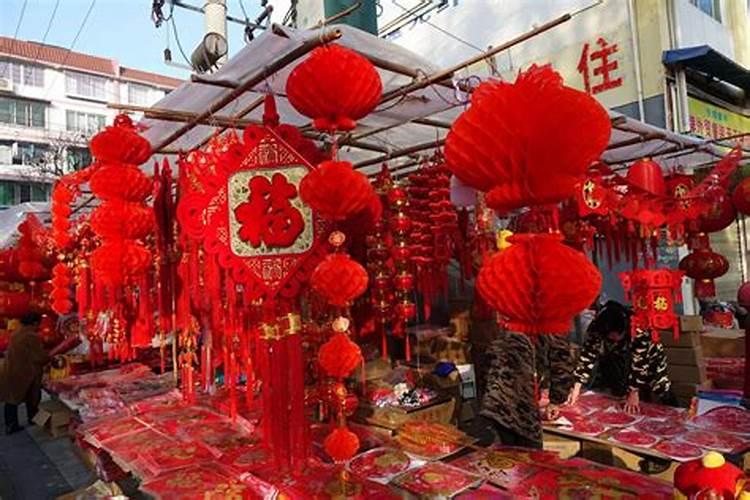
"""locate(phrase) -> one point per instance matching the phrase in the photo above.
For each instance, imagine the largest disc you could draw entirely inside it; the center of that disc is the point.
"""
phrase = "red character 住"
(268, 217)
(605, 66)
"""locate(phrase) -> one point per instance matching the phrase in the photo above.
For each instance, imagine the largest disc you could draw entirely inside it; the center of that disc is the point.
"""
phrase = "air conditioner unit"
(6, 84)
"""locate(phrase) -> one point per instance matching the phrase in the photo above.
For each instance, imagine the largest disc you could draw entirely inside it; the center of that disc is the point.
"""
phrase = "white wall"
(695, 27)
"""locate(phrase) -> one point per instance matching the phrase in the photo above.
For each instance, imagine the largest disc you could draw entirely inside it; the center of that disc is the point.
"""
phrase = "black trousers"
(33, 397)
(486, 431)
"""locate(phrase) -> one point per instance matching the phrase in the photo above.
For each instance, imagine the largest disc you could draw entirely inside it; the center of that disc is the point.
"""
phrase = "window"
(7, 193)
(138, 94)
(39, 192)
(22, 74)
(77, 121)
(83, 85)
(78, 158)
(28, 153)
(24, 193)
(710, 7)
(22, 112)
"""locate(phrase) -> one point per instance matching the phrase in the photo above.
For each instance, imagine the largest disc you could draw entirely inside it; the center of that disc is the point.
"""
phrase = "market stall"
(313, 196)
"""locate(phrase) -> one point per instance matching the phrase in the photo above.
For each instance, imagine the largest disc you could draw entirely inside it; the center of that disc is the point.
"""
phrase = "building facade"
(51, 102)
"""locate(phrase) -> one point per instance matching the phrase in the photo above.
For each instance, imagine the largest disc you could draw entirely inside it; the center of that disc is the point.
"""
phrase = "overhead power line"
(20, 19)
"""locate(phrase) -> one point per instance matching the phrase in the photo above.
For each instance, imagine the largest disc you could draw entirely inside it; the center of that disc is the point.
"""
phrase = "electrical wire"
(177, 39)
(46, 32)
(73, 44)
(441, 30)
(20, 19)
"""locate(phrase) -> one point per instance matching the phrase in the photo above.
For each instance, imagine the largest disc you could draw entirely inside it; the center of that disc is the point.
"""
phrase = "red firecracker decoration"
(538, 284)
(334, 86)
(403, 279)
(704, 266)
(336, 191)
(528, 143)
(339, 279)
(741, 197)
(653, 294)
(341, 444)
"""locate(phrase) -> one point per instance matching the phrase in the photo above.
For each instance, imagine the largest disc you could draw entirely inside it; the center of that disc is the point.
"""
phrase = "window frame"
(22, 73)
(77, 85)
(34, 113)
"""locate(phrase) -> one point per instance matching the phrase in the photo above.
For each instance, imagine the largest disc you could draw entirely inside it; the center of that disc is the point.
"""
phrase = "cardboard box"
(565, 447)
(687, 339)
(686, 356)
(686, 390)
(689, 374)
(691, 324)
(54, 417)
(393, 418)
(723, 343)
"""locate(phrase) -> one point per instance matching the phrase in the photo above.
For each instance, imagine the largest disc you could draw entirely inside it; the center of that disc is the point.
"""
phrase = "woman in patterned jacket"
(611, 360)
(527, 377)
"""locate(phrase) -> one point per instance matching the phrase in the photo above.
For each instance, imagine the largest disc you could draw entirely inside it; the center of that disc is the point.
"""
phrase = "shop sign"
(713, 122)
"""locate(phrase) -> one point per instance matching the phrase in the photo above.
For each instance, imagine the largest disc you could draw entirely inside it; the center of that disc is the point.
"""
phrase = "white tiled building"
(51, 101)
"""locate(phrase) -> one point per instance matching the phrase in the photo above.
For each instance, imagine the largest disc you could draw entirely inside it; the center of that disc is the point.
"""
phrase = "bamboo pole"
(401, 152)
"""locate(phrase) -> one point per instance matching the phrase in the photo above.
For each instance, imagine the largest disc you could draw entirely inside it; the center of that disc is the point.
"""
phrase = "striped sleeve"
(588, 358)
(660, 383)
(640, 361)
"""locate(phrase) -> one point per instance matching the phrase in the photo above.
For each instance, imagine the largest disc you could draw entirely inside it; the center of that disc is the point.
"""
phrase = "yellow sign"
(712, 122)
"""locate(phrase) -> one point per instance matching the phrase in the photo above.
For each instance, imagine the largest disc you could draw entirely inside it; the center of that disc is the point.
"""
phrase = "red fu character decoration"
(653, 293)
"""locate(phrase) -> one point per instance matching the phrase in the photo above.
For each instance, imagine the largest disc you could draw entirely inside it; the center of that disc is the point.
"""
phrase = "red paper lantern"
(14, 304)
(9, 265)
(119, 181)
(741, 197)
(646, 175)
(334, 86)
(339, 356)
(341, 444)
(538, 284)
(121, 219)
(61, 281)
(339, 279)
(653, 293)
(527, 142)
(336, 191)
(117, 260)
(719, 217)
(120, 143)
(704, 266)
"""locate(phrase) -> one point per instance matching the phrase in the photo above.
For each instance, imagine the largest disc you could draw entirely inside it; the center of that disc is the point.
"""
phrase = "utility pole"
(215, 21)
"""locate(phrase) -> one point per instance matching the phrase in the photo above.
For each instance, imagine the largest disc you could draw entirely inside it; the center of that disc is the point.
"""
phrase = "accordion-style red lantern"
(704, 266)
(120, 181)
(528, 143)
(334, 86)
(341, 444)
(120, 143)
(339, 279)
(741, 197)
(117, 260)
(653, 294)
(336, 191)
(538, 284)
(121, 219)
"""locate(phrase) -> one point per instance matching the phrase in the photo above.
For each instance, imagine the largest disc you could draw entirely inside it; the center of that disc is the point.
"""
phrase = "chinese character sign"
(267, 217)
(599, 66)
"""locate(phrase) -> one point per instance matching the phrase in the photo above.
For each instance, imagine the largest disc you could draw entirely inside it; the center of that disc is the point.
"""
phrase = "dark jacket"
(509, 398)
(21, 370)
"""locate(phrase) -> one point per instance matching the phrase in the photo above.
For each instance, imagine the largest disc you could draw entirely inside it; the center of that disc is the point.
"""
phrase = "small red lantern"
(339, 279)
(119, 181)
(704, 266)
(336, 191)
(527, 142)
(539, 284)
(339, 356)
(334, 86)
(646, 175)
(341, 444)
(741, 197)
(120, 143)
(719, 217)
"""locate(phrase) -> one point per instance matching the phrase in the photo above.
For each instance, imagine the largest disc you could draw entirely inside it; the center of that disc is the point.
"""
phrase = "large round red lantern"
(718, 217)
(704, 266)
(339, 279)
(741, 197)
(539, 284)
(527, 142)
(334, 86)
(646, 175)
(336, 191)
(122, 219)
(120, 181)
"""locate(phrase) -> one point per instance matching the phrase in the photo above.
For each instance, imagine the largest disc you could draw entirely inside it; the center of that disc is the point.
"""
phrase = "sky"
(120, 29)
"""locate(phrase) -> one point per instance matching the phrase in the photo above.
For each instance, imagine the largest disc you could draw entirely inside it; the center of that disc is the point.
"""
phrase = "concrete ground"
(35, 466)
